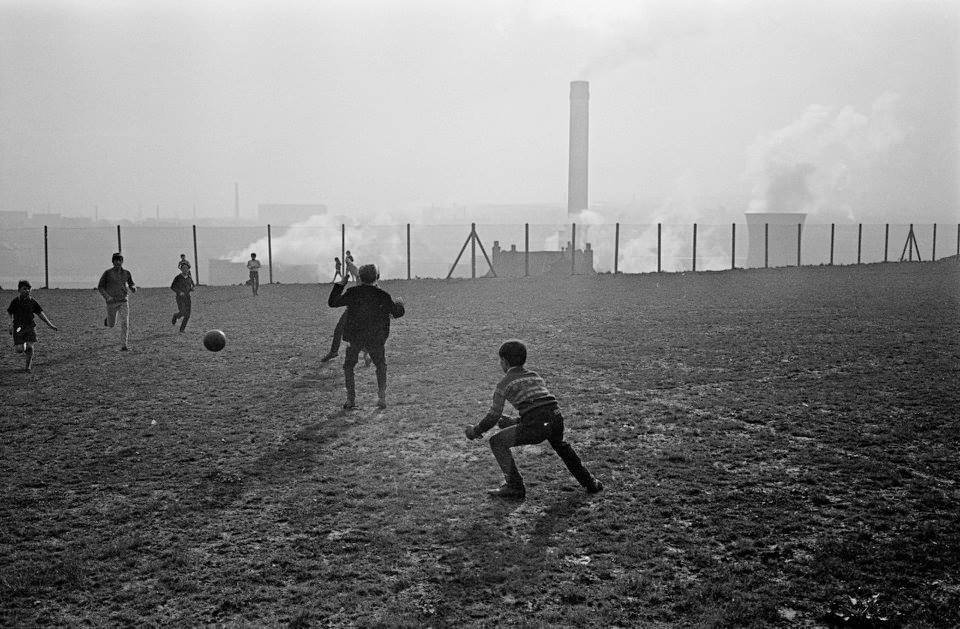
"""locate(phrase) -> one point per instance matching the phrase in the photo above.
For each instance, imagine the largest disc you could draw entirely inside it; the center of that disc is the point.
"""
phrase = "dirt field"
(779, 447)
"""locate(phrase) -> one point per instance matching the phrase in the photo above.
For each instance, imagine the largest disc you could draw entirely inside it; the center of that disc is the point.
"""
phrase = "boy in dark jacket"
(22, 327)
(182, 285)
(540, 419)
(366, 327)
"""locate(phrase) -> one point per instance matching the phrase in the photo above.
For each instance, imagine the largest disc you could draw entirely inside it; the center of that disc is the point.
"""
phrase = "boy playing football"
(22, 327)
(540, 419)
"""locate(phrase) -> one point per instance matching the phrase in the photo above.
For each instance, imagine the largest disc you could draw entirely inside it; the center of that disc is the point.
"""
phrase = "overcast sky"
(844, 109)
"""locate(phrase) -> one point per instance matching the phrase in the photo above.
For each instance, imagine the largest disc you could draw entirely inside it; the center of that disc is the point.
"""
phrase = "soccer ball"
(214, 340)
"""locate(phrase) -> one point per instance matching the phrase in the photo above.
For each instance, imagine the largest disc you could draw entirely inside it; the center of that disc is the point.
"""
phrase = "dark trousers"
(183, 310)
(536, 426)
(255, 281)
(338, 334)
(378, 355)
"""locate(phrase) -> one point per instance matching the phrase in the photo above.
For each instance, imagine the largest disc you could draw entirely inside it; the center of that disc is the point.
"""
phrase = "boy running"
(366, 327)
(540, 419)
(22, 327)
(182, 285)
(113, 286)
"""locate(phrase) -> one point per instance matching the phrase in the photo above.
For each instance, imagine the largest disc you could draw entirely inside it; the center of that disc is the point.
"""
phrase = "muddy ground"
(779, 447)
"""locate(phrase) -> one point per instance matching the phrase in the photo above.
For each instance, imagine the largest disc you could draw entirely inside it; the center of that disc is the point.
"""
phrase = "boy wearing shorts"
(21, 311)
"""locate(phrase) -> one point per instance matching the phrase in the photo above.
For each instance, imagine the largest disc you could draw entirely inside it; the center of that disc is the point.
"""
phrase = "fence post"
(799, 227)
(933, 255)
(832, 225)
(269, 253)
(196, 259)
(573, 249)
(859, 240)
(733, 245)
(119, 243)
(343, 245)
(616, 248)
(408, 250)
(958, 239)
(473, 250)
(694, 247)
(659, 225)
(766, 245)
(886, 240)
(526, 249)
(46, 260)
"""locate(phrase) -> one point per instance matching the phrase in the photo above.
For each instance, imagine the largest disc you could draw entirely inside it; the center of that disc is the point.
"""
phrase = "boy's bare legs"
(337, 337)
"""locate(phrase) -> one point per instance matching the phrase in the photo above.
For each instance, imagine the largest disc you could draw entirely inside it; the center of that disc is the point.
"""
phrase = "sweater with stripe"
(524, 389)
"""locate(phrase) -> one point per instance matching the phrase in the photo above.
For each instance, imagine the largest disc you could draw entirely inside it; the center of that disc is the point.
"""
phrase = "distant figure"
(184, 263)
(367, 326)
(182, 285)
(253, 265)
(338, 272)
(22, 327)
(539, 420)
(351, 267)
(113, 287)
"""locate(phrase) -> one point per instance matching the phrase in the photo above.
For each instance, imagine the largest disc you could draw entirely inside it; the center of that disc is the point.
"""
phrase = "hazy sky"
(847, 109)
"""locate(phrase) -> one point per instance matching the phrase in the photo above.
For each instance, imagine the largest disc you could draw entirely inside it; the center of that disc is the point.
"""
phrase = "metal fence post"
(733, 245)
(659, 225)
(766, 245)
(343, 245)
(269, 253)
(526, 249)
(473, 250)
(46, 260)
(831, 243)
(119, 243)
(799, 227)
(616, 249)
(886, 240)
(859, 240)
(694, 247)
(573, 249)
(196, 259)
(408, 250)
(933, 255)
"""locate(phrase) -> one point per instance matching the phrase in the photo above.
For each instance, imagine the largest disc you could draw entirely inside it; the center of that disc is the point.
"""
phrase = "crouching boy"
(540, 419)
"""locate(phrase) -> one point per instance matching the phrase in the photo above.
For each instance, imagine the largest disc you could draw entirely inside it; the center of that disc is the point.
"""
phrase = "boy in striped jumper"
(540, 419)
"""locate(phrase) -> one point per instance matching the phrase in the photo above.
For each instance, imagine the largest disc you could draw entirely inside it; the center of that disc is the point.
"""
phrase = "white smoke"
(824, 162)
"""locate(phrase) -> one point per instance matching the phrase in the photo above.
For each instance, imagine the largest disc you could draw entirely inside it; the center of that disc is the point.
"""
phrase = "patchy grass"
(778, 447)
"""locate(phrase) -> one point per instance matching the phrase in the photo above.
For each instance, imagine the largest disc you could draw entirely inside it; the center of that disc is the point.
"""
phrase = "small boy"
(253, 265)
(339, 268)
(540, 419)
(22, 327)
(366, 327)
(348, 263)
(184, 263)
(182, 285)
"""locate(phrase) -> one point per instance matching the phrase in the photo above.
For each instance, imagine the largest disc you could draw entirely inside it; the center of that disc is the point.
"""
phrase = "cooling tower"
(775, 245)
(579, 142)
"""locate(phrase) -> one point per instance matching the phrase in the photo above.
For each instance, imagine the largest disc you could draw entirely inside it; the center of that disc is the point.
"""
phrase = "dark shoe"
(330, 356)
(124, 349)
(105, 324)
(381, 403)
(594, 487)
(349, 405)
(507, 491)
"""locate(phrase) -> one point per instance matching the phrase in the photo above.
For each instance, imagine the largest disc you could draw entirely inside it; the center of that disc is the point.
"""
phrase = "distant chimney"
(579, 142)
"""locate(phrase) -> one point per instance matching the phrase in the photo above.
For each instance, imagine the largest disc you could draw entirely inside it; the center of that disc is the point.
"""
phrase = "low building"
(515, 263)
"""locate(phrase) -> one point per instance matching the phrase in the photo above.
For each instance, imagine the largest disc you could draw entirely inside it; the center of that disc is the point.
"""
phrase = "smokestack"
(579, 143)
(236, 200)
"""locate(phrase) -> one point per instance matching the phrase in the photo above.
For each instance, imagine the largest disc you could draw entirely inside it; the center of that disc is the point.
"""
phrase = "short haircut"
(368, 273)
(253, 255)
(23, 284)
(514, 352)
(116, 256)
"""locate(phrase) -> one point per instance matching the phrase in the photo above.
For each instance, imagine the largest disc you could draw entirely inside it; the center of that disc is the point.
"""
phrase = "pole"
(46, 260)
(473, 250)
(616, 249)
(526, 249)
(659, 226)
(408, 250)
(343, 245)
(766, 245)
(573, 249)
(933, 255)
(694, 247)
(119, 245)
(910, 242)
(799, 226)
(733, 245)
(196, 259)
(269, 253)
(886, 241)
(831, 243)
(859, 240)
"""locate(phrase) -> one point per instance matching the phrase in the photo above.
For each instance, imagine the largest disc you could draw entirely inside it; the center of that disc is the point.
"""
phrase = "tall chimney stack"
(577, 199)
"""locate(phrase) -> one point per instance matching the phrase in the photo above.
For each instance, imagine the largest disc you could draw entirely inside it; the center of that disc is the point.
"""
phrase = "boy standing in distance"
(22, 327)
(113, 287)
(540, 419)
(184, 263)
(182, 285)
(366, 327)
(350, 266)
(253, 265)
(339, 268)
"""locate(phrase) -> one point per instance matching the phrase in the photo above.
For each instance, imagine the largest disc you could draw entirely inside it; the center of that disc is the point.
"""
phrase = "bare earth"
(778, 448)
